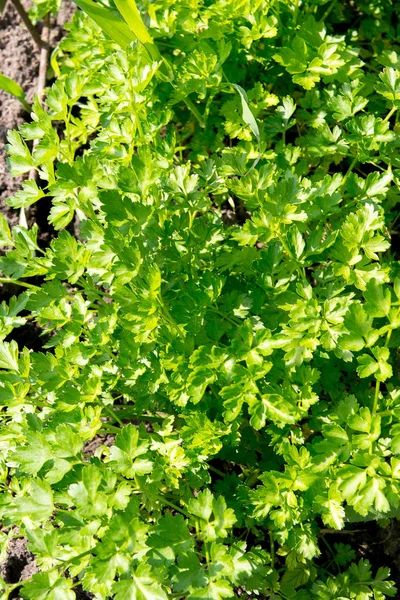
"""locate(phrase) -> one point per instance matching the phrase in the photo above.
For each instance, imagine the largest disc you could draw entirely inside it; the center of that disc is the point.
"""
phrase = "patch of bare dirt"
(19, 564)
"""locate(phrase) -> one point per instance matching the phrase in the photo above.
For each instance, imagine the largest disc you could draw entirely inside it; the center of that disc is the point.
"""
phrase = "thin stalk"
(192, 107)
(30, 286)
(351, 167)
(385, 413)
(329, 10)
(228, 318)
(167, 503)
(113, 415)
(331, 552)
(323, 531)
(272, 548)
(296, 12)
(376, 398)
(110, 429)
(217, 471)
(126, 413)
(170, 320)
(41, 84)
(28, 23)
(378, 383)
(390, 113)
(207, 554)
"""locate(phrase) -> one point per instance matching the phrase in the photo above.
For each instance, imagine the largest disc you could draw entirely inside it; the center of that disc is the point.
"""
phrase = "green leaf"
(190, 574)
(36, 504)
(206, 506)
(390, 84)
(48, 586)
(126, 452)
(34, 454)
(9, 355)
(172, 532)
(378, 299)
(5, 233)
(29, 194)
(143, 585)
(11, 87)
(273, 407)
(88, 499)
(20, 159)
(216, 590)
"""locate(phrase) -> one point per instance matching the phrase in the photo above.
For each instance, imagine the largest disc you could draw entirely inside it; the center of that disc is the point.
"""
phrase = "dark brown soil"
(90, 447)
(19, 565)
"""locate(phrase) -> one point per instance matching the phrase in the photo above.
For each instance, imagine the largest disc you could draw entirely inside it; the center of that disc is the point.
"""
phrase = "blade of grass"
(112, 24)
(247, 115)
(249, 119)
(11, 87)
(131, 15)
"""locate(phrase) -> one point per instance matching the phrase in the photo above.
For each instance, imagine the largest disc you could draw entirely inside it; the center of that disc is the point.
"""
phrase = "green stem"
(109, 429)
(390, 113)
(217, 471)
(329, 10)
(385, 413)
(272, 548)
(332, 553)
(296, 12)
(378, 383)
(113, 415)
(207, 554)
(68, 136)
(166, 503)
(127, 413)
(232, 320)
(376, 398)
(351, 167)
(192, 107)
(169, 318)
(21, 283)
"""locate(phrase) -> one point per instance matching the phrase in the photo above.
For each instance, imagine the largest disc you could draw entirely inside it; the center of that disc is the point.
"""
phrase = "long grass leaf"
(249, 119)
(247, 115)
(112, 24)
(11, 87)
(131, 15)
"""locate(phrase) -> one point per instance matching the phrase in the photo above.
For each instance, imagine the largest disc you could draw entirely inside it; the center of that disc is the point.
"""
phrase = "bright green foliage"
(12, 87)
(229, 314)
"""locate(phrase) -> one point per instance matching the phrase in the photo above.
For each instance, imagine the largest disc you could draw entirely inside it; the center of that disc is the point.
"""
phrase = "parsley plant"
(226, 323)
